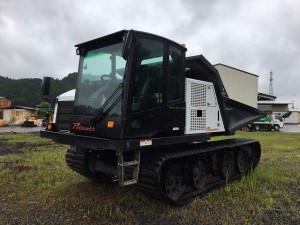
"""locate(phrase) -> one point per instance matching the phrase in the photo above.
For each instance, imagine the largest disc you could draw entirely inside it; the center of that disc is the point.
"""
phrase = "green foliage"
(27, 92)
(46, 112)
(44, 105)
(43, 114)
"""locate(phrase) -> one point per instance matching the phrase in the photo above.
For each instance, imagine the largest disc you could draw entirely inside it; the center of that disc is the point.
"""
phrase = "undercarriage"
(176, 174)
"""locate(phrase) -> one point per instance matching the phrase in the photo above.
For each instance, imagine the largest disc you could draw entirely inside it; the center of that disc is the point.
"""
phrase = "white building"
(294, 118)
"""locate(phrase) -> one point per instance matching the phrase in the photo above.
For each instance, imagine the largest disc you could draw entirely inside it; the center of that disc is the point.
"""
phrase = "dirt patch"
(21, 168)
(6, 148)
(295, 188)
(6, 164)
(281, 215)
(14, 166)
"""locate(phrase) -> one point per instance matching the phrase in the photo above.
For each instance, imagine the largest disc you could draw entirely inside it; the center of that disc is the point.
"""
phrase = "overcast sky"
(38, 37)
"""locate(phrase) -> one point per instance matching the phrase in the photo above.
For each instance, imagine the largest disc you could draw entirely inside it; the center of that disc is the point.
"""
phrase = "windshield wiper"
(101, 110)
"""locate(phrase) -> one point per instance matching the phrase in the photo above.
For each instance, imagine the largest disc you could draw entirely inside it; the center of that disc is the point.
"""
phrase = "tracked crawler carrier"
(144, 114)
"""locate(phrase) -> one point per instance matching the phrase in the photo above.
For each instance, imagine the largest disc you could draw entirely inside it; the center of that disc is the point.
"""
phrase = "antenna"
(271, 84)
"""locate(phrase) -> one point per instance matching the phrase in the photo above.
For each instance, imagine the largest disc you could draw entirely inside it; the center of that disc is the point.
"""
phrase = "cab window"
(148, 79)
(174, 74)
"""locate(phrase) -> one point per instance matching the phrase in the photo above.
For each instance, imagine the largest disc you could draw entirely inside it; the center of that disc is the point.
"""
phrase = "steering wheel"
(105, 75)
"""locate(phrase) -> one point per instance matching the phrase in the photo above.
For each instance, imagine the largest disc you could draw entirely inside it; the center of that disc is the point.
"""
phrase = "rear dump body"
(165, 151)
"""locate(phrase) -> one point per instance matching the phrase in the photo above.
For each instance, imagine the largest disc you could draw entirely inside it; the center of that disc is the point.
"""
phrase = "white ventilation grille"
(197, 122)
(202, 109)
(198, 95)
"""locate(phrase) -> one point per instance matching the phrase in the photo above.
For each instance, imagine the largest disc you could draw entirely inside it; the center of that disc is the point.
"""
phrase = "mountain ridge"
(27, 91)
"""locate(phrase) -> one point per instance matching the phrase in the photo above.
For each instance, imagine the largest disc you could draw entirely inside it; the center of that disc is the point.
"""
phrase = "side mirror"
(46, 86)
(128, 39)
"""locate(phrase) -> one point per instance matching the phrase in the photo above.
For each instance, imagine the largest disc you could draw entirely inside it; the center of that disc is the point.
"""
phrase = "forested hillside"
(27, 92)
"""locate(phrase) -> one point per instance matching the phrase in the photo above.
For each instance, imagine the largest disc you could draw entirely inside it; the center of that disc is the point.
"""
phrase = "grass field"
(37, 187)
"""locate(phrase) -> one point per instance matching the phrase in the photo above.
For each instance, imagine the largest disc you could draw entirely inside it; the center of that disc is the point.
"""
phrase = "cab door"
(147, 115)
(175, 90)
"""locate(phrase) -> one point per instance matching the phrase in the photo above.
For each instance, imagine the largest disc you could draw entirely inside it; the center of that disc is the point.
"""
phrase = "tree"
(45, 110)
(43, 105)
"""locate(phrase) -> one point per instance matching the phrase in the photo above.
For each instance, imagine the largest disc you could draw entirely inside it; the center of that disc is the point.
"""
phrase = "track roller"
(228, 164)
(242, 159)
(174, 181)
(200, 174)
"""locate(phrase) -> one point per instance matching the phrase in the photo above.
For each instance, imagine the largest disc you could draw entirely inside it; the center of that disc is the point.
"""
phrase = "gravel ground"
(19, 129)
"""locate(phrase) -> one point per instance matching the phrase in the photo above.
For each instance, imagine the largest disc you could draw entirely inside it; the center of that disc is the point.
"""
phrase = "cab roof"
(117, 37)
(103, 41)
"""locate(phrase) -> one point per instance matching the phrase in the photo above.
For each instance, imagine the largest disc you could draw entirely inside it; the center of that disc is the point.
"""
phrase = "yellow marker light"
(49, 126)
(110, 124)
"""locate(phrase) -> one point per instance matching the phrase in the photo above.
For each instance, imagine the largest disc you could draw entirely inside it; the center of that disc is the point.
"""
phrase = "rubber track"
(150, 169)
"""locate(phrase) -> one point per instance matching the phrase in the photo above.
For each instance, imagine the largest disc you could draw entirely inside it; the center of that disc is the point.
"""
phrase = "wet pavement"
(291, 128)
(19, 129)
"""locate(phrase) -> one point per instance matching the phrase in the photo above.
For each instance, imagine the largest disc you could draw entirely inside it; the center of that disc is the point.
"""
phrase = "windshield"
(101, 72)
(279, 117)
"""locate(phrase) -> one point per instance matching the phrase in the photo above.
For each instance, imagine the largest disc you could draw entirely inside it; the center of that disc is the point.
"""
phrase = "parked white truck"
(269, 122)
(64, 109)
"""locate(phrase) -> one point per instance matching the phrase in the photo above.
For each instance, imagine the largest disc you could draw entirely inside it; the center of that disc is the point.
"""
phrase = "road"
(291, 128)
(19, 129)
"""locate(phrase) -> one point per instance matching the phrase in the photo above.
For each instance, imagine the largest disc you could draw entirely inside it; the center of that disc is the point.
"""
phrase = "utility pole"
(271, 84)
